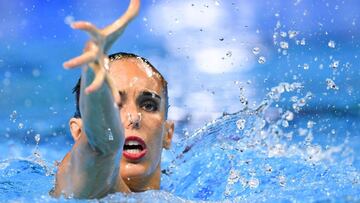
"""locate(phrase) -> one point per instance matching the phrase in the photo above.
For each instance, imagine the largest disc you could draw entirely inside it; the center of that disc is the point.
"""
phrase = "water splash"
(260, 156)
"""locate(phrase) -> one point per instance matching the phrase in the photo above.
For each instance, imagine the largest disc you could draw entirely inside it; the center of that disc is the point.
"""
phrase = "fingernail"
(65, 65)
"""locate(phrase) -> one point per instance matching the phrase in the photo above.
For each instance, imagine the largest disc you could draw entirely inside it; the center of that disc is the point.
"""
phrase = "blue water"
(247, 129)
(251, 155)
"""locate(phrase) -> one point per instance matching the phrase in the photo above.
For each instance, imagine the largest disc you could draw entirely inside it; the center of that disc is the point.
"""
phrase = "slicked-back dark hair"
(121, 56)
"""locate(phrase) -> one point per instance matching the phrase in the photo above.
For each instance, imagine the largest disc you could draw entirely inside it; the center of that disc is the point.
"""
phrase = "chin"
(132, 170)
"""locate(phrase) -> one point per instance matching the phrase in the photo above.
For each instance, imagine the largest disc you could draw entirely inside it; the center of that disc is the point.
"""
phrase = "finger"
(114, 30)
(98, 80)
(87, 57)
(86, 26)
(131, 12)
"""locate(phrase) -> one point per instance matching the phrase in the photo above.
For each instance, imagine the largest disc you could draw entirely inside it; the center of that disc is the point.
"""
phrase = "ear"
(169, 132)
(75, 128)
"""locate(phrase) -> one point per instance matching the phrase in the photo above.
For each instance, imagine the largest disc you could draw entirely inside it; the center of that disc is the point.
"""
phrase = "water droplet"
(254, 183)
(284, 45)
(109, 134)
(309, 138)
(306, 66)
(13, 116)
(37, 138)
(331, 84)
(262, 60)
(347, 64)
(301, 102)
(331, 44)
(283, 34)
(241, 124)
(262, 123)
(243, 100)
(292, 33)
(285, 123)
(229, 54)
(334, 64)
(302, 42)
(233, 176)
(310, 124)
(268, 168)
(288, 115)
(256, 50)
(282, 180)
(21, 126)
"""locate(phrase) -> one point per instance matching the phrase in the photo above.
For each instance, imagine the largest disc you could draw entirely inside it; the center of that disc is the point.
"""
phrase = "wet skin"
(89, 172)
(124, 100)
(142, 95)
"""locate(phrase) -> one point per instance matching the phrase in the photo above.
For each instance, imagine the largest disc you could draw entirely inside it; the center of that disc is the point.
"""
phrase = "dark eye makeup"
(149, 105)
(146, 100)
(149, 101)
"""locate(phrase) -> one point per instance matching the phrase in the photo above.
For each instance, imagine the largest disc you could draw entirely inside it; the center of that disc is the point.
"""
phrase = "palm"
(101, 41)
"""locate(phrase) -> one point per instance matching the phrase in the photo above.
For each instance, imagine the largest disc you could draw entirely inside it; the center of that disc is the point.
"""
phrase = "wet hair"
(121, 56)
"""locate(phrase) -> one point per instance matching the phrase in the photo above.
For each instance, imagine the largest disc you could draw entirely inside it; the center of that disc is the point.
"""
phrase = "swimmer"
(121, 126)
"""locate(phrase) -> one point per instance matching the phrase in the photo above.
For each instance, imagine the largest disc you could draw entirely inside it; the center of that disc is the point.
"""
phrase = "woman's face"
(142, 113)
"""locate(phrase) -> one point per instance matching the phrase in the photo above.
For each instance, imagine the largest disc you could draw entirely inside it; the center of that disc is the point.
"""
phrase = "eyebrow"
(143, 93)
(150, 94)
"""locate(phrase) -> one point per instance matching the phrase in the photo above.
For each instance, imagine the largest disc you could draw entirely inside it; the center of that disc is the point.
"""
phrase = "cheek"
(153, 126)
(152, 122)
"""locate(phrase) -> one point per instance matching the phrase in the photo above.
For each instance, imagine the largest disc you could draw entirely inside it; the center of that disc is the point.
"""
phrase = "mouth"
(134, 148)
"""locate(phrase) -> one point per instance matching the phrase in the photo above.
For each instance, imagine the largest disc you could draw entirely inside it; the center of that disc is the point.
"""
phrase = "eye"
(149, 105)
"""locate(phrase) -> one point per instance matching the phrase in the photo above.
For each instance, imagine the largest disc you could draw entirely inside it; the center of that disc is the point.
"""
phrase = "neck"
(141, 184)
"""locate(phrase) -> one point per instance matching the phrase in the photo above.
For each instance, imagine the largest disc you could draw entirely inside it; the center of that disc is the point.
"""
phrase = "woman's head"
(143, 113)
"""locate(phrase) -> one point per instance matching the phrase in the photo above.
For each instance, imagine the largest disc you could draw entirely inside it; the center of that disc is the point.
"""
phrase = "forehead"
(133, 73)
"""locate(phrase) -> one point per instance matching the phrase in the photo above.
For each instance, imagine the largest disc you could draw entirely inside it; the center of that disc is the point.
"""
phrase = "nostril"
(137, 123)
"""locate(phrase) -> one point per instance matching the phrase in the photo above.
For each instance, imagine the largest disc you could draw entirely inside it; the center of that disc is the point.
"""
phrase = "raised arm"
(90, 169)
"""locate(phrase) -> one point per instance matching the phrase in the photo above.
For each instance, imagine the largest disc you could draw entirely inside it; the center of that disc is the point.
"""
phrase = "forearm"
(100, 115)
(82, 173)
(91, 168)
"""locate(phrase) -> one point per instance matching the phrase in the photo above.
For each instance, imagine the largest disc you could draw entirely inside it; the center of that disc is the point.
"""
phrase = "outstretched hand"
(94, 54)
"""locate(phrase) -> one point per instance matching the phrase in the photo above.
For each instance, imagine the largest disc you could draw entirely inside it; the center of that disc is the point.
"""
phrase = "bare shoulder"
(85, 173)
(62, 168)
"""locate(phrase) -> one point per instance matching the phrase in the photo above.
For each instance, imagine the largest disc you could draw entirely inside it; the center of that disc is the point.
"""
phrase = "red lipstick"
(134, 148)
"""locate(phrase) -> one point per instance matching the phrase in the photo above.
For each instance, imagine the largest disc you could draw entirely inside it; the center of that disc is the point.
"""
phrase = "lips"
(134, 148)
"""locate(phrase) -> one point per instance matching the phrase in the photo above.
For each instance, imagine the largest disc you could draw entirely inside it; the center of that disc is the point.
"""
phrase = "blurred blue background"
(211, 52)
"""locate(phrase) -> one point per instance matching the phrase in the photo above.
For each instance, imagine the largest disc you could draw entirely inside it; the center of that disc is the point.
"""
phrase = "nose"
(133, 119)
